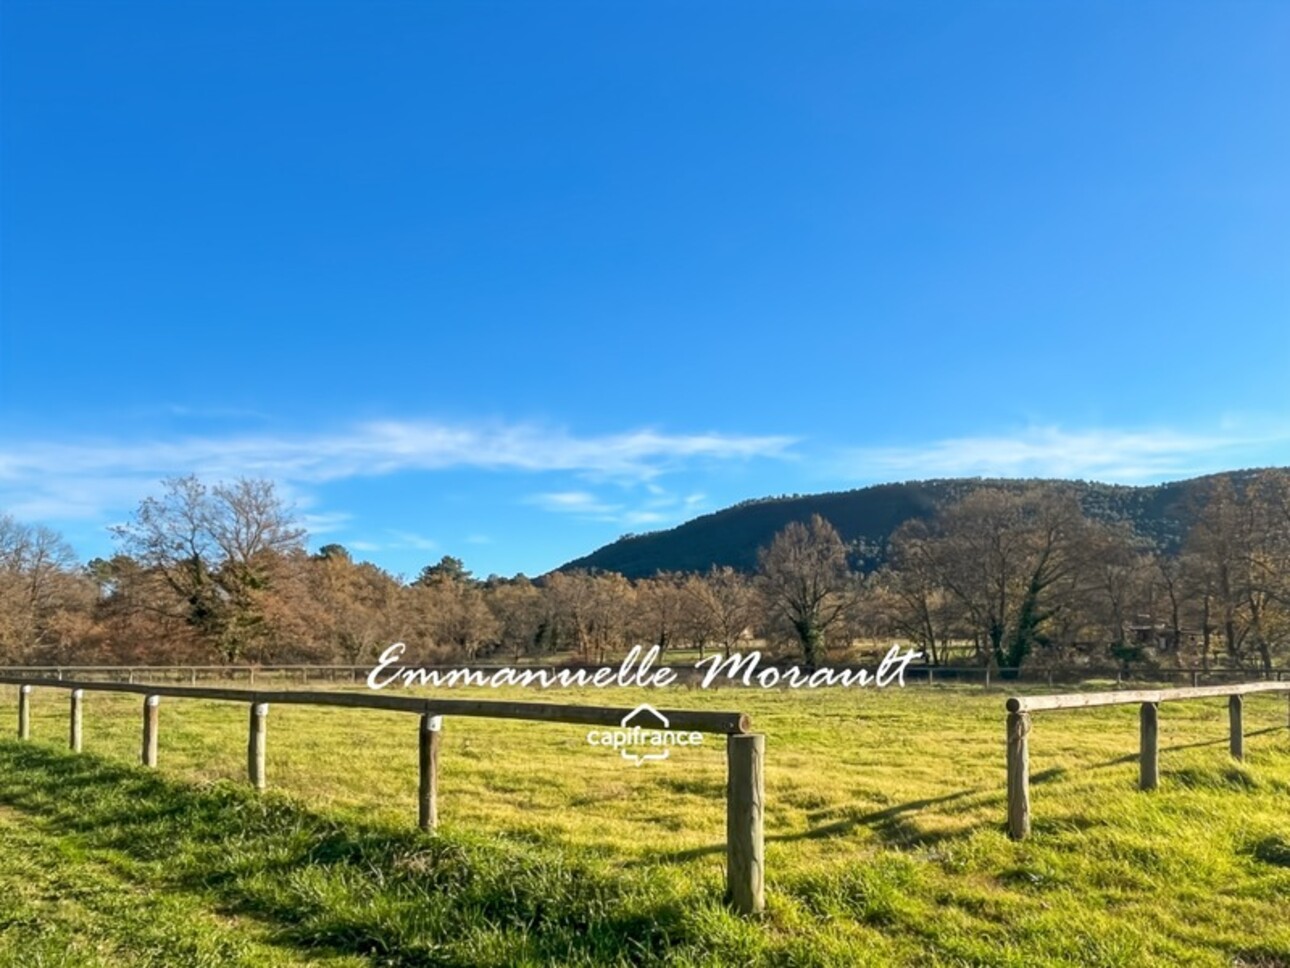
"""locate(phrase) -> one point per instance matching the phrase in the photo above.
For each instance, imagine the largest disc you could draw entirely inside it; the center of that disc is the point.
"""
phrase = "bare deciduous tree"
(806, 582)
(725, 605)
(43, 594)
(213, 547)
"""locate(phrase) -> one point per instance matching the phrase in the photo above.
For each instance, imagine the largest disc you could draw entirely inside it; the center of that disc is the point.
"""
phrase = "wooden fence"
(193, 674)
(1018, 733)
(914, 674)
(745, 751)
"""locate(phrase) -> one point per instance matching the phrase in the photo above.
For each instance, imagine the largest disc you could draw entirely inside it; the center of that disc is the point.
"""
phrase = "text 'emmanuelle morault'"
(640, 668)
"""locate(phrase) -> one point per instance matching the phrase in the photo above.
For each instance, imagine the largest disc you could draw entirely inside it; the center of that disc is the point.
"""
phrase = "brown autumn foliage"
(220, 574)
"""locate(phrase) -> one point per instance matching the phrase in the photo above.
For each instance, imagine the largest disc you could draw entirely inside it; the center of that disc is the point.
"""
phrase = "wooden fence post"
(1237, 739)
(1149, 746)
(1018, 775)
(151, 718)
(431, 733)
(255, 744)
(74, 730)
(24, 712)
(745, 822)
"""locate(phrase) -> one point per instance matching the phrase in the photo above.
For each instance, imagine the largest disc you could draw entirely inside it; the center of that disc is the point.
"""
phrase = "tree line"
(221, 574)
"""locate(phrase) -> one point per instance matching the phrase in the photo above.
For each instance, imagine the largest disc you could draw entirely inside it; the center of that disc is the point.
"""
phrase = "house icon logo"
(645, 717)
(643, 734)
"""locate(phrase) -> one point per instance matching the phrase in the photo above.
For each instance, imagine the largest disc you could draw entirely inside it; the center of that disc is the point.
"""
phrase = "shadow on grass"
(894, 826)
(1133, 757)
(320, 884)
(898, 826)
(1234, 777)
(1273, 850)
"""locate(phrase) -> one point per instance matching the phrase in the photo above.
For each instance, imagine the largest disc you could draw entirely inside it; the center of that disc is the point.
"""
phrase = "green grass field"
(885, 842)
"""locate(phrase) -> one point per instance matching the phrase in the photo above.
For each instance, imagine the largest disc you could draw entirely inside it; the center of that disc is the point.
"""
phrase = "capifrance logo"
(644, 734)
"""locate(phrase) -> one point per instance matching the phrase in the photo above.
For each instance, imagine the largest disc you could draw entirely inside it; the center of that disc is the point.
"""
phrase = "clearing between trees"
(884, 826)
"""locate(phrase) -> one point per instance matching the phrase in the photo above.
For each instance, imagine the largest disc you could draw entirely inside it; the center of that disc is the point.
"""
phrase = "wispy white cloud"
(325, 522)
(395, 541)
(83, 479)
(639, 518)
(658, 506)
(1118, 456)
(574, 502)
(410, 539)
(32, 496)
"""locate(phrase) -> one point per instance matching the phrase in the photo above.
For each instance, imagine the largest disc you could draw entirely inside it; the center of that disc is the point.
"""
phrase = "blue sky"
(506, 280)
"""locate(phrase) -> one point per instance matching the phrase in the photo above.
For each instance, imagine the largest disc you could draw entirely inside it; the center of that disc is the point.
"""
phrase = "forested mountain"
(1070, 572)
(865, 518)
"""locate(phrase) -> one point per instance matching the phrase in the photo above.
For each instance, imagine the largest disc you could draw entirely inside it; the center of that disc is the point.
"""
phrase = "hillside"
(866, 517)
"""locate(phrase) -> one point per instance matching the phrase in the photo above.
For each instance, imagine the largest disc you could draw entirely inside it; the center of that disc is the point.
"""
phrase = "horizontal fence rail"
(1019, 709)
(1082, 700)
(702, 721)
(745, 751)
(194, 673)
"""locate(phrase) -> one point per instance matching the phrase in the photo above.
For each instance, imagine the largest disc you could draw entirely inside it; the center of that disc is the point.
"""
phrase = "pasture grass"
(885, 840)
